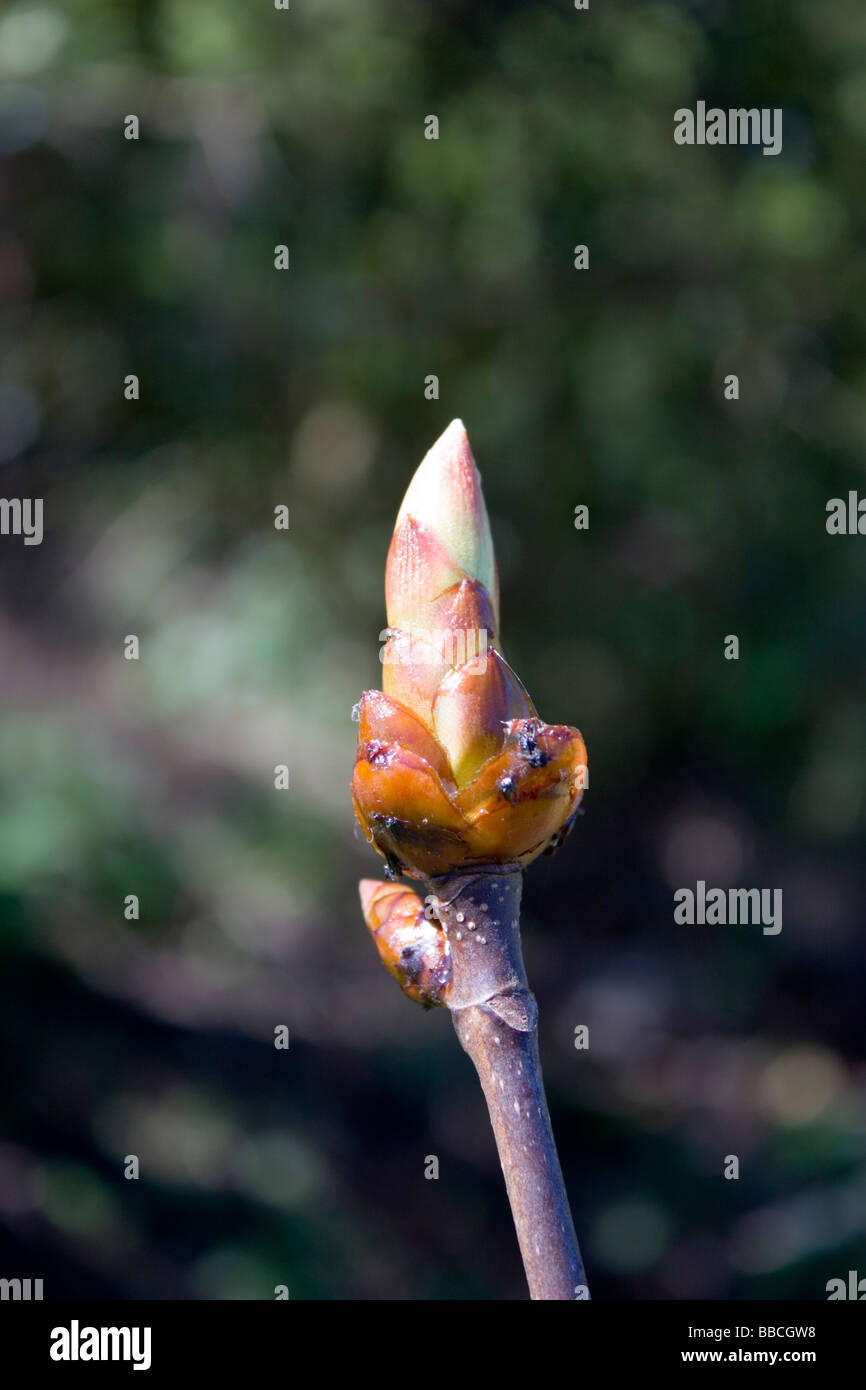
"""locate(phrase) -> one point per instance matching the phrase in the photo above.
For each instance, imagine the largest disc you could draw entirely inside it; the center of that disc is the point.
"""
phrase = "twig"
(495, 1017)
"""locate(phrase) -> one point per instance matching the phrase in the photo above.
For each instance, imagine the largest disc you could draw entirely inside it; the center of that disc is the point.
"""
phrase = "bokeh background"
(410, 257)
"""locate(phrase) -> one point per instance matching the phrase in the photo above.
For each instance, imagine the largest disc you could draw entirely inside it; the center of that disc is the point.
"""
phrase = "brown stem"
(496, 1021)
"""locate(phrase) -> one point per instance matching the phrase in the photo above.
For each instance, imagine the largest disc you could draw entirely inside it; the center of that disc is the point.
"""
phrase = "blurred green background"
(411, 257)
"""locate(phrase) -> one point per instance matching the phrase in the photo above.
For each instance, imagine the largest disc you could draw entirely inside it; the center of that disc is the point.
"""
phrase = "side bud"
(413, 949)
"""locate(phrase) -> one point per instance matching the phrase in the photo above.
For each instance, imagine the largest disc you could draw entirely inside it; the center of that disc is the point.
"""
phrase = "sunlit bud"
(411, 947)
(454, 768)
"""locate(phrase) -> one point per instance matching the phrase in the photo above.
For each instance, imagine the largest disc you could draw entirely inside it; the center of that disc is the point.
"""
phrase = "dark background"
(707, 517)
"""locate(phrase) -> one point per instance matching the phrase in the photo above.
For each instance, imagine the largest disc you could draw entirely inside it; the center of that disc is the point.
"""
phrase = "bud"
(412, 948)
(454, 768)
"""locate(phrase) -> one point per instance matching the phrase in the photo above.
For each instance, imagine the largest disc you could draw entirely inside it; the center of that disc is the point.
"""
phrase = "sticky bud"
(454, 768)
(412, 948)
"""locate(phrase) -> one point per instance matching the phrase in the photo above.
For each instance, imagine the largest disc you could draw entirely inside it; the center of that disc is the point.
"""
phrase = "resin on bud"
(454, 767)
